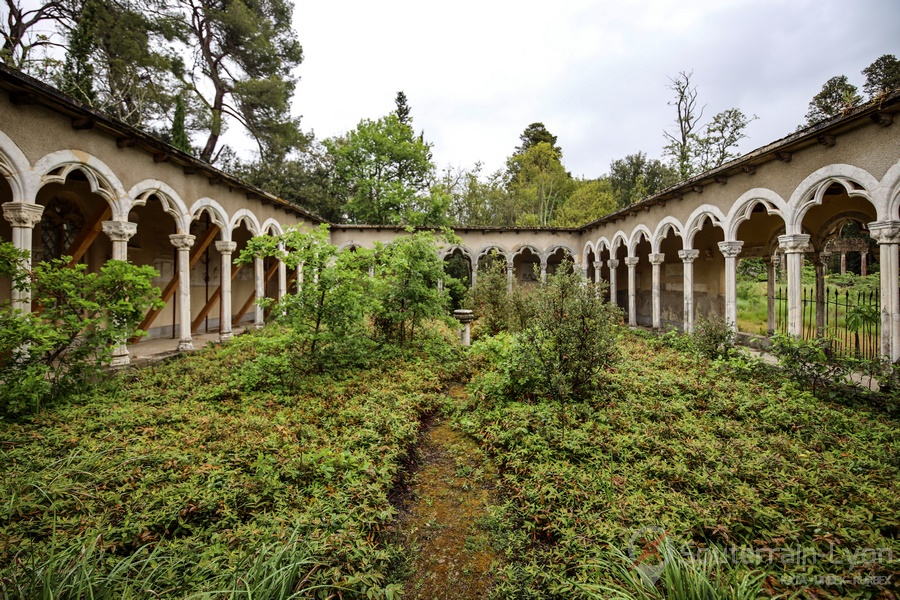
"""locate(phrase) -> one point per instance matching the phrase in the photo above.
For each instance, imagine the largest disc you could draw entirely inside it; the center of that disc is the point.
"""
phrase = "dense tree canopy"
(837, 96)
(635, 177)
(882, 76)
(383, 174)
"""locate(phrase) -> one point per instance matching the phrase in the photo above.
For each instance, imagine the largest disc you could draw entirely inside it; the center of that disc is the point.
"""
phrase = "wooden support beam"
(170, 288)
(882, 118)
(697, 189)
(124, 142)
(784, 156)
(81, 123)
(161, 157)
(87, 236)
(211, 302)
(748, 169)
(827, 140)
(22, 98)
(189, 169)
(723, 179)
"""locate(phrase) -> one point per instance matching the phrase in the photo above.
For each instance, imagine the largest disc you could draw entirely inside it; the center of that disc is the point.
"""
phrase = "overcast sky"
(477, 72)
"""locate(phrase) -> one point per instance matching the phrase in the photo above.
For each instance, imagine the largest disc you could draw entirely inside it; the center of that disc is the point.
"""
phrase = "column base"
(225, 336)
(120, 361)
(185, 345)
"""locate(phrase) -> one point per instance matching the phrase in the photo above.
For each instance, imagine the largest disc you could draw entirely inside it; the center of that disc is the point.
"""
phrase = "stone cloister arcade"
(77, 183)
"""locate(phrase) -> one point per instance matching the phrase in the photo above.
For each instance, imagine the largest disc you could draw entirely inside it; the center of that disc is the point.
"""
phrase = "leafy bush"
(489, 299)
(79, 318)
(713, 337)
(569, 340)
(806, 362)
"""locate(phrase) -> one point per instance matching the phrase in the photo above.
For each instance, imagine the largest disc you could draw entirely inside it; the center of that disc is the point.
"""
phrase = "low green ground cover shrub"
(221, 474)
(742, 463)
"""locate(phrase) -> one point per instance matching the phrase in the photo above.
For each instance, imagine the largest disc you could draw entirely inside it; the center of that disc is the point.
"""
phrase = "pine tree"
(78, 75)
(179, 135)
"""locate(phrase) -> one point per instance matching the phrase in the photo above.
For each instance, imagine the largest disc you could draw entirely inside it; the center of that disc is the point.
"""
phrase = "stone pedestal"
(465, 318)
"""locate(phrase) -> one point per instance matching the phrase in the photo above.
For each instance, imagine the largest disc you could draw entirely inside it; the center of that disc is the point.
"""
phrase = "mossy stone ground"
(448, 497)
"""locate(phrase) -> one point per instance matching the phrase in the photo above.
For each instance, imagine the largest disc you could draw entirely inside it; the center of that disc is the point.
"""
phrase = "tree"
(720, 137)
(533, 135)
(539, 184)
(688, 115)
(837, 97)
(635, 177)
(408, 269)
(304, 178)
(179, 135)
(882, 76)
(137, 64)
(402, 111)
(383, 174)
(591, 200)
(17, 41)
(78, 73)
(244, 52)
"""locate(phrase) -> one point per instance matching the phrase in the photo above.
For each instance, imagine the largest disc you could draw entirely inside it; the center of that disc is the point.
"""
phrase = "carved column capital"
(689, 255)
(226, 247)
(632, 261)
(612, 263)
(797, 243)
(119, 231)
(730, 249)
(22, 214)
(883, 232)
(657, 258)
(182, 241)
(598, 264)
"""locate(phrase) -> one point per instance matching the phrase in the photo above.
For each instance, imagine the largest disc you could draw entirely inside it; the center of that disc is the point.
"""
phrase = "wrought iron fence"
(851, 319)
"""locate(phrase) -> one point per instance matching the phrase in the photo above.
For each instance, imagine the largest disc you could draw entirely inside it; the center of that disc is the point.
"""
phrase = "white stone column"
(509, 276)
(119, 232)
(631, 262)
(282, 274)
(656, 260)
(225, 248)
(597, 265)
(183, 242)
(771, 287)
(23, 216)
(259, 277)
(730, 251)
(300, 275)
(887, 234)
(543, 269)
(794, 247)
(474, 271)
(688, 256)
(613, 264)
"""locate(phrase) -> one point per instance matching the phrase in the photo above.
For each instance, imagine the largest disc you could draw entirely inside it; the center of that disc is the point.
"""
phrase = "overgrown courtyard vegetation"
(620, 464)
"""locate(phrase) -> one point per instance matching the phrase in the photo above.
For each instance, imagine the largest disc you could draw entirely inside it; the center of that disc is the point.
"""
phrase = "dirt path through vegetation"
(443, 516)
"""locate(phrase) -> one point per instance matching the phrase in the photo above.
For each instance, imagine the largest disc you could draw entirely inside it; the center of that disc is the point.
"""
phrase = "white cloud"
(478, 72)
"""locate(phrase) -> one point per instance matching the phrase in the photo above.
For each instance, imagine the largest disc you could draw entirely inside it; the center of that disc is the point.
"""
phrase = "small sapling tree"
(79, 318)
